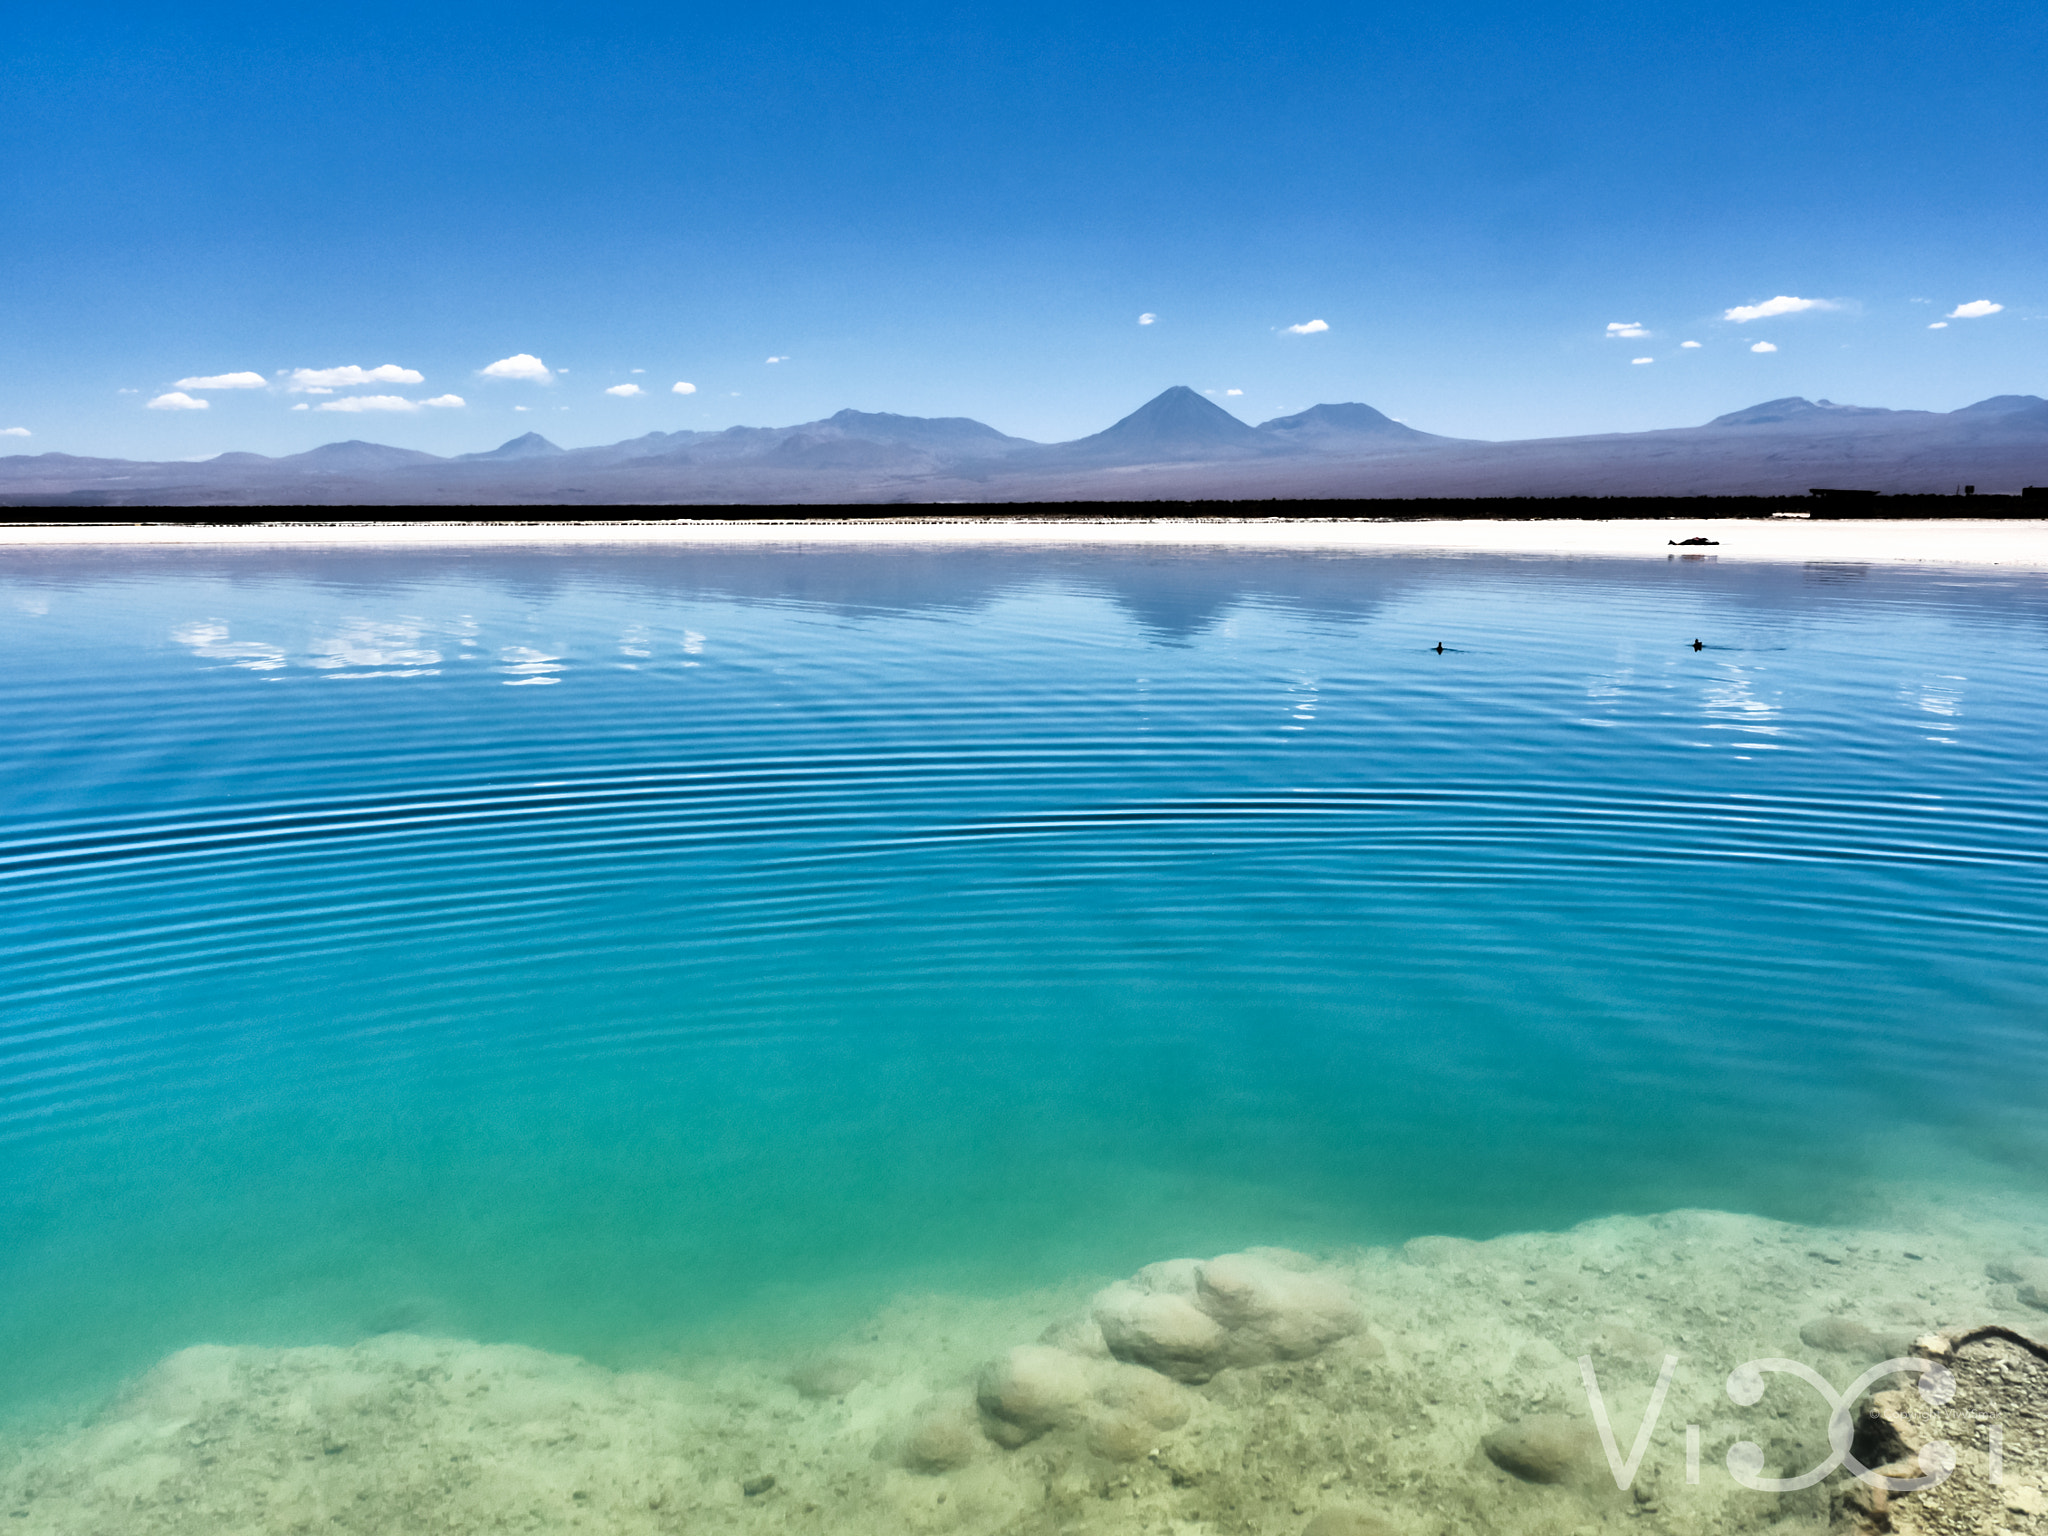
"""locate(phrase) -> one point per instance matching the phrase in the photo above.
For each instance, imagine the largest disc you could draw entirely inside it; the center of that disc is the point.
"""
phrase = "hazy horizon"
(367, 423)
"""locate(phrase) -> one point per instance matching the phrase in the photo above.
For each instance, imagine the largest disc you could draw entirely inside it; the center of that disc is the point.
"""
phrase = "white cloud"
(444, 402)
(302, 406)
(1764, 346)
(1616, 329)
(1148, 318)
(1690, 346)
(1308, 327)
(178, 400)
(1976, 309)
(520, 365)
(1783, 304)
(681, 388)
(1233, 391)
(1939, 325)
(14, 432)
(778, 359)
(225, 381)
(1642, 360)
(357, 403)
(625, 391)
(518, 407)
(321, 381)
(636, 370)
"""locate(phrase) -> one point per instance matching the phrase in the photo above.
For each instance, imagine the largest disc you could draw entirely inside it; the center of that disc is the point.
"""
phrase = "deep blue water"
(618, 952)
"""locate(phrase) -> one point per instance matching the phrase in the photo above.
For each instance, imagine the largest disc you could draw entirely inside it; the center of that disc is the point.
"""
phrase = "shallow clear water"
(618, 952)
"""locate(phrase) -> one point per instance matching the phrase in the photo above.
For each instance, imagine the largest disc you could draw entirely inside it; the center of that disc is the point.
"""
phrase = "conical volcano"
(1178, 424)
(529, 445)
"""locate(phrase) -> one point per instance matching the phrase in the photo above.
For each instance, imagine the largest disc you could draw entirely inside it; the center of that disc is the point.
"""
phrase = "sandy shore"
(2011, 544)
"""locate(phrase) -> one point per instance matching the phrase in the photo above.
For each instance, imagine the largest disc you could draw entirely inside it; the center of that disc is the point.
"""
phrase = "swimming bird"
(1699, 645)
(1439, 647)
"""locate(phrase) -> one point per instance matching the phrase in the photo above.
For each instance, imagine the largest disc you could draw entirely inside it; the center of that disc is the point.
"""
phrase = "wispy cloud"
(355, 404)
(1639, 360)
(1148, 318)
(682, 388)
(178, 400)
(1783, 304)
(15, 432)
(625, 391)
(320, 381)
(1690, 346)
(225, 381)
(1765, 346)
(1617, 329)
(1939, 325)
(1233, 391)
(636, 370)
(444, 403)
(1976, 309)
(520, 365)
(1308, 328)
(778, 359)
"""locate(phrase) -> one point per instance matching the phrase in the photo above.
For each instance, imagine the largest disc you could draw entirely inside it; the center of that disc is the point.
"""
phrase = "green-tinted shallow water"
(638, 953)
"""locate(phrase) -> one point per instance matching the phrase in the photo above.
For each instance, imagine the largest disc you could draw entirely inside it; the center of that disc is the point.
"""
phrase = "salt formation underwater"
(1008, 1042)
(1417, 1391)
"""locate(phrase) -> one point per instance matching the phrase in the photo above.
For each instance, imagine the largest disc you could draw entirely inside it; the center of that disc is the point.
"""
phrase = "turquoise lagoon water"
(633, 952)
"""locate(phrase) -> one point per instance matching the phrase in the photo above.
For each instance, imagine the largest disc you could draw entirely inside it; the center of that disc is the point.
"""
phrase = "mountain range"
(1177, 446)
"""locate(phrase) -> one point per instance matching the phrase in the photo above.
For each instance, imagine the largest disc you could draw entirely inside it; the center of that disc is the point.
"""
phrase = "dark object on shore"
(1699, 645)
(1996, 1379)
(1695, 539)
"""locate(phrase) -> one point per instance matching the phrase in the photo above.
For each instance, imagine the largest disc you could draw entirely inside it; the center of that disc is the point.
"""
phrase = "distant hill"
(1178, 444)
(356, 454)
(1328, 427)
(1797, 411)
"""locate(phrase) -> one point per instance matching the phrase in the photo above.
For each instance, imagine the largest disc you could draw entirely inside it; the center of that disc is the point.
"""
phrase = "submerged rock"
(1346, 1521)
(1842, 1335)
(1549, 1448)
(1163, 1330)
(1078, 1335)
(1145, 1395)
(825, 1376)
(2031, 1276)
(944, 1440)
(1032, 1389)
(1121, 1436)
(1188, 1319)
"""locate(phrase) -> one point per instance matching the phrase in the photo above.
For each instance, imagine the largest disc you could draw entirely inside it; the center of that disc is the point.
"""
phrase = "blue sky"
(956, 210)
